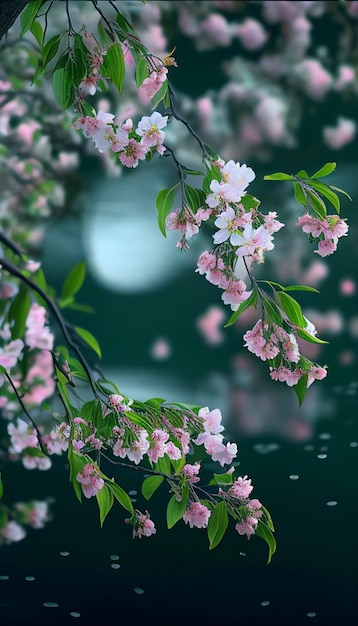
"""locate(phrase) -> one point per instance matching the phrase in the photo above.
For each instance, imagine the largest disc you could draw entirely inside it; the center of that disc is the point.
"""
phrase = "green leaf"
(250, 202)
(18, 313)
(122, 496)
(325, 170)
(301, 332)
(1, 487)
(50, 49)
(291, 308)
(89, 339)
(268, 518)
(125, 25)
(37, 32)
(77, 463)
(196, 197)
(113, 66)
(266, 534)
(164, 202)
(300, 288)
(341, 191)
(160, 95)
(221, 479)
(141, 71)
(317, 204)
(105, 36)
(163, 465)
(327, 192)
(176, 509)
(272, 311)
(218, 522)
(299, 194)
(150, 485)
(28, 15)
(300, 388)
(302, 174)
(92, 410)
(80, 52)
(105, 500)
(278, 176)
(74, 280)
(62, 82)
(250, 301)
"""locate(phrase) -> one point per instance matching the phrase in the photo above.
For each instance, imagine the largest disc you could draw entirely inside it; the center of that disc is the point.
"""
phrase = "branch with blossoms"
(159, 437)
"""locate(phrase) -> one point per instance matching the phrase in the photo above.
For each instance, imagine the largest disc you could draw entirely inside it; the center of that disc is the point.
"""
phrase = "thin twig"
(43, 449)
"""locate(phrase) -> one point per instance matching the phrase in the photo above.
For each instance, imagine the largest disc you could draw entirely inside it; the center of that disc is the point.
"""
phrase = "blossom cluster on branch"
(166, 441)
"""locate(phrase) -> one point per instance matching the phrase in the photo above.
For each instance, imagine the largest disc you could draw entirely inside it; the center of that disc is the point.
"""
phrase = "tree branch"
(9, 12)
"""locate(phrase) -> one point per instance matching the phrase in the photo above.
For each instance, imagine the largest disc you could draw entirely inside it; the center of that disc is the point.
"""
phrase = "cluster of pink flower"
(267, 343)
(34, 385)
(326, 232)
(34, 514)
(197, 514)
(95, 60)
(143, 526)
(205, 429)
(131, 145)
(241, 232)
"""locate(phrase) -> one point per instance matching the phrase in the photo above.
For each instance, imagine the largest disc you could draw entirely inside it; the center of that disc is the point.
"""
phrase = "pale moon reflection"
(125, 250)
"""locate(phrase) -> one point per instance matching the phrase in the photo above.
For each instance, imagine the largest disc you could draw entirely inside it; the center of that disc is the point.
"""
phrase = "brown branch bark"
(9, 12)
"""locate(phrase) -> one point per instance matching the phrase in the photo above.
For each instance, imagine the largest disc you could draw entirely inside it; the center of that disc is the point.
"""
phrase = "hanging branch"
(65, 327)
(19, 399)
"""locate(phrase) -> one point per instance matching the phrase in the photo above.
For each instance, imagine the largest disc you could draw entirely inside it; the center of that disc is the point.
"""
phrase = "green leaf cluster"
(313, 193)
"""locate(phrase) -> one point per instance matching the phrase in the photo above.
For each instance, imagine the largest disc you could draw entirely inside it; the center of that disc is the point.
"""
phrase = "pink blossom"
(22, 435)
(133, 153)
(161, 349)
(142, 525)
(211, 420)
(221, 194)
(38, 335)
(150, 129)
(317, 81)
(158, 448)
(346, 76)
(253, 242)
(225, 455)
(342, 134)
(227, 222)
(173, 452)
(247, 527)
(235, 293)
(36, 462)
(10, 353)
(326, 247)
(12, 532)
(136, 451)
(151, 85)
(239, 176)
(90, 480)
(217, 28)
(192, 471)
(57, 440)
(347, 287)
(252, 34)
(197, 515)
(284, 374)
(241, 488)
(316, 372)
(209, 325)
(206, 262)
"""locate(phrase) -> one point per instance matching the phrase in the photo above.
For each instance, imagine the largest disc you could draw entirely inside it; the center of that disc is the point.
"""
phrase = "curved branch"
(9, 12)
